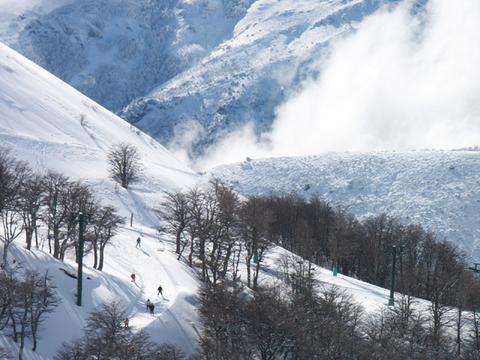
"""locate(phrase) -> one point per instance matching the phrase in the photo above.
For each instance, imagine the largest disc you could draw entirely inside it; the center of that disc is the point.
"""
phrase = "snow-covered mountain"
(115, 51)
(438, 189)
(207, 65)
(50, 125)
(273, 49)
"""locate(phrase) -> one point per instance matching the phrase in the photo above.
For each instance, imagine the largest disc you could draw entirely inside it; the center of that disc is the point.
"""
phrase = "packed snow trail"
(53, 127)
(151, 269)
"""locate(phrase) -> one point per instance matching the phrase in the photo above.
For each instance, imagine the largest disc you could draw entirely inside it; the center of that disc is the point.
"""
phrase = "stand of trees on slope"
(26, 297)
(52, 201)
(28, 201)
(218, 231)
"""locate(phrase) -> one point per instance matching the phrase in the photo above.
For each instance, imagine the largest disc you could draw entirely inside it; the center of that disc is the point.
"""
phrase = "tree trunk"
(249, 259)
(35, 230)
(95, 253)
(100, 262)
(5, 252)
(177, 241)
(190, 256)
(257, 271)
(56, 244)
(28, 236)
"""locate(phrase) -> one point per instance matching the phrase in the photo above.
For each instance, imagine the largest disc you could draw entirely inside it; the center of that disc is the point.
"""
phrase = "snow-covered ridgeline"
(438, 189)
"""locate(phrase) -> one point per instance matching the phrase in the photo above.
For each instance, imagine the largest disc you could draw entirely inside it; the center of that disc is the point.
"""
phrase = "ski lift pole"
(391, 301)
(81, 241)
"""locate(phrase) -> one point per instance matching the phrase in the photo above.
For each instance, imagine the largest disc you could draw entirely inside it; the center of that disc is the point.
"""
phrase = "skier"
(125, 323)
(149, 303)
(133, 278)
(160, 290)
(152, 308)
(138, 242)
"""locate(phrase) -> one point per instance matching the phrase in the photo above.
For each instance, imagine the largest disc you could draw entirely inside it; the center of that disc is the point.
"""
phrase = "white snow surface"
(52, 126)
(438, 189)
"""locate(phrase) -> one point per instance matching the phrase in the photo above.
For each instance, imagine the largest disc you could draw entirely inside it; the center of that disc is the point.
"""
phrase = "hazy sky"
(399, 82)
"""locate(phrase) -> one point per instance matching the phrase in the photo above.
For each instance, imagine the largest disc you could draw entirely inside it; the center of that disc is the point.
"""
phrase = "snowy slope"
(52, 126)
(41, 122)
(439, 189)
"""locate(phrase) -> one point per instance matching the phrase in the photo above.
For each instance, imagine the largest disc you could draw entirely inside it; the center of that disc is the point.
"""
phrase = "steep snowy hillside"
(273, 48)
(438, 189)
(115, 51)
(52, 126)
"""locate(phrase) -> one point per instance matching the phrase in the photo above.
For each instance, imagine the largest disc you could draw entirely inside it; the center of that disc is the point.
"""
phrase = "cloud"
(403, 80)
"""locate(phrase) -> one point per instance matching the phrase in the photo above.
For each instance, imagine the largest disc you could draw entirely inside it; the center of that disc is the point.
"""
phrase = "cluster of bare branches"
(26, 297)
(29, 200)
(124, 164)
(218, 229)
(106, 337)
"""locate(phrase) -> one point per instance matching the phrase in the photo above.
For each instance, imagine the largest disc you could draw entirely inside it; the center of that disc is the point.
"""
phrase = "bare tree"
(255, 220)
(124, 164)
(32, 194)
(106, 338)
(43, 300)
(55, 213)
(105, 226)
(12, 177)
(174, 212)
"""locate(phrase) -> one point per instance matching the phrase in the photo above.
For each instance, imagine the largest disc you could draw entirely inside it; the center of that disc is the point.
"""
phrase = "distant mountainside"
(438, 189)
(208, 65)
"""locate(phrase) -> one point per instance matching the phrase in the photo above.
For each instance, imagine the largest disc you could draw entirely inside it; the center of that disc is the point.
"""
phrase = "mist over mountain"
(186, 72)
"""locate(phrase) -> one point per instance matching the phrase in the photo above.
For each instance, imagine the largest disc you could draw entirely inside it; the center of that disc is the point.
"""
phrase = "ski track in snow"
(41, 124)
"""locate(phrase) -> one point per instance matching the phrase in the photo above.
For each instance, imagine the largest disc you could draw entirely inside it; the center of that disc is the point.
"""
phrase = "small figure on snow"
(148, 303)
(160, 290)
(138, 242)
(133, 277)
(152, 308)
(125, 323)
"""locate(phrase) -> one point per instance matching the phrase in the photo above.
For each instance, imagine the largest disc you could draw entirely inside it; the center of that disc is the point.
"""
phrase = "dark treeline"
(300, 319)
(218, 232)
(426, 267)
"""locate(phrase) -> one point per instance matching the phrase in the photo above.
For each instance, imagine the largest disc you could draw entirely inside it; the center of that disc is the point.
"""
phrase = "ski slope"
(438, 189)
(52, 126)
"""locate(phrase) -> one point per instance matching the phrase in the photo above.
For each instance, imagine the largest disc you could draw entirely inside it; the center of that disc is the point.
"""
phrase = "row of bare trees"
(29, 200)
(218, 230)
(427, 267)
(300, 318)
